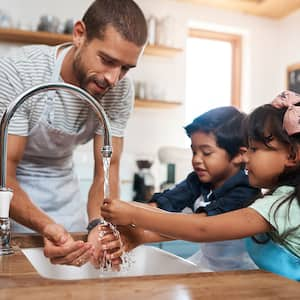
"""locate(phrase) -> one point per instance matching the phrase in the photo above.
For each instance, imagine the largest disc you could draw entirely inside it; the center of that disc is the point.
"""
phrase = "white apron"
(46, 171)
(223, 256)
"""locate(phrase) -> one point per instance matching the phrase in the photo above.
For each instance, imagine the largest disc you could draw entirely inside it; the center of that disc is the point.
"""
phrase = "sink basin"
(147, 260)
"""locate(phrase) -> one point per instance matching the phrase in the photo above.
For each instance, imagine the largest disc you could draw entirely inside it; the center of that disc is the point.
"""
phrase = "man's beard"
(84, 80)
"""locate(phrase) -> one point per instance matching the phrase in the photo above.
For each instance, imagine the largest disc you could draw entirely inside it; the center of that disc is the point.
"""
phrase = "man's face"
(100, 64)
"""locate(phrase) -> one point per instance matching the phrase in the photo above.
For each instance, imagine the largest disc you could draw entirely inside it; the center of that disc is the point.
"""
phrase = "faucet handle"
(5, 197)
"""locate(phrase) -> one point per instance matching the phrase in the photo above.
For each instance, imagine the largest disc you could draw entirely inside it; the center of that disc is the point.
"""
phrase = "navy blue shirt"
(233, 194)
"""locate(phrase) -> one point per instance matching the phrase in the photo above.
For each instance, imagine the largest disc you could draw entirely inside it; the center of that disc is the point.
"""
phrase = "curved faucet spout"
(78, 92)
(5, 193)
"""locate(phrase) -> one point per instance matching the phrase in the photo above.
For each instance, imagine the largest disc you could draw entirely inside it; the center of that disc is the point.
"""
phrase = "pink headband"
(291, 119)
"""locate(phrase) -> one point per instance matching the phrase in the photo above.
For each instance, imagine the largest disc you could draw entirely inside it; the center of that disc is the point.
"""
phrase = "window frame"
(236, 43)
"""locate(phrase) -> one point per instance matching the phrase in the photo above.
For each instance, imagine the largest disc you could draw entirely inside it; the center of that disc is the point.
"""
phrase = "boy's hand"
(131, 237)
(112, 247)
(117, 212)
(109, 247)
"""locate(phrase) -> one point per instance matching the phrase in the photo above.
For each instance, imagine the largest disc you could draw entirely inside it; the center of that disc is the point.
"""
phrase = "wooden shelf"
(38, 37)
(149, 103)
(33, 37)
(41, 37)
(156, 50)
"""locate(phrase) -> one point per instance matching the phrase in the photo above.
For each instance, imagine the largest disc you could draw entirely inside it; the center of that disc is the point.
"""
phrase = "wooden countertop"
(19, 280)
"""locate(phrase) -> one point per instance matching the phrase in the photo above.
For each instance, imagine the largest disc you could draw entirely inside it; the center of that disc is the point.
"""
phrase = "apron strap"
(55, 78)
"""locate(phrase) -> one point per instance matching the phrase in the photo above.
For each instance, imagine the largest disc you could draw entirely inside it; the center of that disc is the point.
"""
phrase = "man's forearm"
(24, 211)
(96, 195)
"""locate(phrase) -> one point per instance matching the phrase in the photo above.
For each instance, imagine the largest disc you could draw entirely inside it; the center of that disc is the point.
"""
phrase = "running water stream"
(127, 260)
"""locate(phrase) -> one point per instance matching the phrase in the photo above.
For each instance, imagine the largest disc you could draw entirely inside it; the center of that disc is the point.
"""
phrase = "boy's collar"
(238, 178)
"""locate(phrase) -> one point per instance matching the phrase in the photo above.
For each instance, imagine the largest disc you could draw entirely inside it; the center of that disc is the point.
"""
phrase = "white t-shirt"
(33, 65)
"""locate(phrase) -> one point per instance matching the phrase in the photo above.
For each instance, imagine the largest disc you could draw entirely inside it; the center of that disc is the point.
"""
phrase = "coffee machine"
(143, 183)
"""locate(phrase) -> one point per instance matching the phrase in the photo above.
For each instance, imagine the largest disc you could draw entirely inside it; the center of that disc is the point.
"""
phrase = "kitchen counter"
(19, 280)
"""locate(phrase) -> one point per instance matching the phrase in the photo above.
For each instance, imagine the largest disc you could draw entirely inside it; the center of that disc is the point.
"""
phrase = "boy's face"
(211, 163)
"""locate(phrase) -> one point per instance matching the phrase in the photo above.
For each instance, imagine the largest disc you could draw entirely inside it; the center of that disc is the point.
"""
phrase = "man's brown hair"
(125, 16)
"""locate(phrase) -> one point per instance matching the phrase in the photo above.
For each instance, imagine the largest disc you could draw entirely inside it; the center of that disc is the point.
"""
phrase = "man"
(45, 130)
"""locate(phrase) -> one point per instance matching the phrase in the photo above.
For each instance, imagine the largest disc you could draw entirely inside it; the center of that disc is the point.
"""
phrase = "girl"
(272, 222)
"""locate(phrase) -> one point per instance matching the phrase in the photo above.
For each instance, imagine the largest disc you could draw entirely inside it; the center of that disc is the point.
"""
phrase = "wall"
(264, 59)
(260, 74)
(289, 45)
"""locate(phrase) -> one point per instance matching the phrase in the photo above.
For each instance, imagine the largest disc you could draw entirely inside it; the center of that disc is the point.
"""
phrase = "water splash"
(106, 264)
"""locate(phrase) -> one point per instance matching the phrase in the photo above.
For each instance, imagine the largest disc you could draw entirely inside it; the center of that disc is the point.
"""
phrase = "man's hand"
(60, 247)
(117, 212)
(107, 247)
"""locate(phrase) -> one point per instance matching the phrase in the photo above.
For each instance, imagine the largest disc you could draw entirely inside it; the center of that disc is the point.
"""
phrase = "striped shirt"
(33, 65)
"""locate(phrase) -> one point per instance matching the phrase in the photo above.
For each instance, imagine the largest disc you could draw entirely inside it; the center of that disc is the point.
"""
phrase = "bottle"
(151, 30)
(164, 31)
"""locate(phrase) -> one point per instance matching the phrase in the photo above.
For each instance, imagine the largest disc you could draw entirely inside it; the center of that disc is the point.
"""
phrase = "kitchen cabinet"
(12, 35)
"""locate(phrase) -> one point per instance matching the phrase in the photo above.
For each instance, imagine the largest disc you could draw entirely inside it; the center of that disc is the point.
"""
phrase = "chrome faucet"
(6, 194)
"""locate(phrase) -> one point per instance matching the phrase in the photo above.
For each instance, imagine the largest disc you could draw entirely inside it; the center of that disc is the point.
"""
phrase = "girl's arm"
(135, 236)
(232, 225)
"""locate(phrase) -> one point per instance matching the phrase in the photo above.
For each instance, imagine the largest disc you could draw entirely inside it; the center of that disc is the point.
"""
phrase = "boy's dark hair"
(263, 125)
(226, 124)
(124, 16)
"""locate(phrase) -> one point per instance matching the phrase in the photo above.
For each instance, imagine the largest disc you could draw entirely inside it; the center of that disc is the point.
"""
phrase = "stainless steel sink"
(147, 260)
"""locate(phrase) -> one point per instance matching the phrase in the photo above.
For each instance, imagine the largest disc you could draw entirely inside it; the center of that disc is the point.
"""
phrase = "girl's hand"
(117, 212)
(108, 247)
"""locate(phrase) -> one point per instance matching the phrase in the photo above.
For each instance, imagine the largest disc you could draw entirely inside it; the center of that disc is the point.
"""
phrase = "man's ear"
(79, 33)
(239, 158)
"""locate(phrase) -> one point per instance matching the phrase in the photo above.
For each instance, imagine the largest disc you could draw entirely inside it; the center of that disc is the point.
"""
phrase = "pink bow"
(291, 119)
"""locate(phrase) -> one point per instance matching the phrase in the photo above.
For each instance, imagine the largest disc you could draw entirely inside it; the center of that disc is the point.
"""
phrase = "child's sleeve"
(182, 195)
(271, 209)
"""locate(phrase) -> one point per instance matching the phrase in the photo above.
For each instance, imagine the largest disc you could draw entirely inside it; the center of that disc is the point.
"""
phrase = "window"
(213, 71)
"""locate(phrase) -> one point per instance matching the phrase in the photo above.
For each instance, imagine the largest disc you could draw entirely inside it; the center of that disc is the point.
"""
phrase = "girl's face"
(211, 163)
(266, 164)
